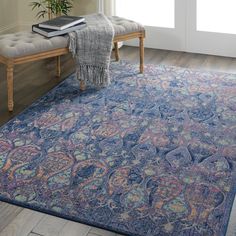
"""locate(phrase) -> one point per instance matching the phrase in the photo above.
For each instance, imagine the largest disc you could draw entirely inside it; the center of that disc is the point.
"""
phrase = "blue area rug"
(150, 155)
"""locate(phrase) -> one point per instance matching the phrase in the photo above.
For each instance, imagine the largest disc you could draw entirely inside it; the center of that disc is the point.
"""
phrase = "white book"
(61, 22)
(51, 33)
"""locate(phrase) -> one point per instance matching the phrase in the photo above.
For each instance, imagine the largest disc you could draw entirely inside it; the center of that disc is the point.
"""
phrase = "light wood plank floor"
(16, 221)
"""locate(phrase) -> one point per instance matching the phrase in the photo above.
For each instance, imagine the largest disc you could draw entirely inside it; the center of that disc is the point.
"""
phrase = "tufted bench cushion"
(22, 47)
(28, 43)
(124, 26)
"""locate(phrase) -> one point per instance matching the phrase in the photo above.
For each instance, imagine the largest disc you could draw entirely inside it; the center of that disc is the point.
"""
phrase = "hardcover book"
(51, 33)
(61, 22)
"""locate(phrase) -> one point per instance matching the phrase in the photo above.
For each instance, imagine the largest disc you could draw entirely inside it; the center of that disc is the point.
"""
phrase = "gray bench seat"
(22, 47)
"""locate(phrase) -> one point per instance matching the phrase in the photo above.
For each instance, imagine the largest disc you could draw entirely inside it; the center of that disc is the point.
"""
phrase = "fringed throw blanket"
(91, 46)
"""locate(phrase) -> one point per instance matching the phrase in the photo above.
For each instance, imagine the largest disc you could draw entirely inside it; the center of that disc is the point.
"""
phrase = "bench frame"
(11, 62)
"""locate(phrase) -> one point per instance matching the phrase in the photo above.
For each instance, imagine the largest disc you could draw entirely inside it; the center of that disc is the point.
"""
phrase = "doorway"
(201, 26)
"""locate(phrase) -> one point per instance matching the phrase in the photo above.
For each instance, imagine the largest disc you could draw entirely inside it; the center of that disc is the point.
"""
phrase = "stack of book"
(59, 26)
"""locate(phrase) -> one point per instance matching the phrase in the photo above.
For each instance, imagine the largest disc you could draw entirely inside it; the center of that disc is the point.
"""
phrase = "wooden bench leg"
(82, 85)
(117, 56)
(10, 69)
(141, 48)
(58, 58)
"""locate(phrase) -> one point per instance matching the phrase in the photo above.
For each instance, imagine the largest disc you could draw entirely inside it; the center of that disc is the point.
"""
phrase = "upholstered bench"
(22, 47)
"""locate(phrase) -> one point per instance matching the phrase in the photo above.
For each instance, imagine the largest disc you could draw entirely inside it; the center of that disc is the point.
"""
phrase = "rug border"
(231, 197)
(52, 213)
(65, 217)
(35, 101)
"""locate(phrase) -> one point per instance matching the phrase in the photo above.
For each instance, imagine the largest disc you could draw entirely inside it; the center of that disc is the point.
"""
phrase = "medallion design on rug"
(149, 155)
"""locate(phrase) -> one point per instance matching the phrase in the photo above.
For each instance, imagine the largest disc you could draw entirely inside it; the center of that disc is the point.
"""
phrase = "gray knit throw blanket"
(91, 47)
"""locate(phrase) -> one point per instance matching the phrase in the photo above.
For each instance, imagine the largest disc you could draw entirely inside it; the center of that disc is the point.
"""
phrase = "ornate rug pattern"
(150, 155)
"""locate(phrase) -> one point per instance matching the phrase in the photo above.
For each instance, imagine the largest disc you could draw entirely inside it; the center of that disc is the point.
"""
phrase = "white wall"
(83, 7)
(26, 17)
(109, 7)
(8, 15)
(16, 15)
